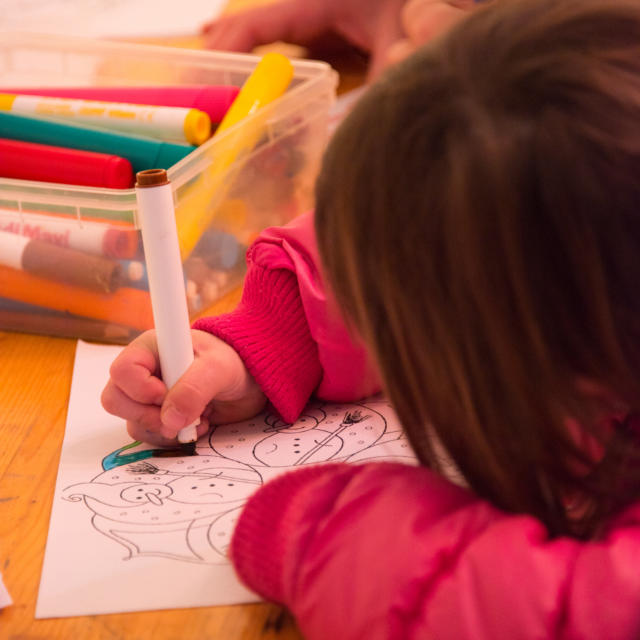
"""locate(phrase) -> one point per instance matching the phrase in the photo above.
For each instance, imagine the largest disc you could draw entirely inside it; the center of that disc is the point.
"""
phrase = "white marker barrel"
(92, 237)
(156, 217)
(171, 124)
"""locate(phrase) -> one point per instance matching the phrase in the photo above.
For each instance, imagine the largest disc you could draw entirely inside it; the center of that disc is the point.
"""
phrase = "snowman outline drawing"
(156, 503)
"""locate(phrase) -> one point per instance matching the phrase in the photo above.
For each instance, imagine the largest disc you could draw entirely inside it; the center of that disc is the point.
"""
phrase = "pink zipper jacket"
(393, 552)
(389, 551)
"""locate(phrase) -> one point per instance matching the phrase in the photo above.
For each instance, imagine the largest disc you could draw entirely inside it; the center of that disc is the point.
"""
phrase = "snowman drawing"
(175, 508)
(157, 502)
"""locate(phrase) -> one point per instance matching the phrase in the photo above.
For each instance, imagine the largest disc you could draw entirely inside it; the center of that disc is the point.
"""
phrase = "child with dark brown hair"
(478, 219)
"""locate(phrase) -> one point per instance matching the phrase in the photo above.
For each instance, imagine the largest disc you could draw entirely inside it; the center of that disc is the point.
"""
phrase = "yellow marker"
(170, 124)
(6, 101)
(269, 80)
(237, 135)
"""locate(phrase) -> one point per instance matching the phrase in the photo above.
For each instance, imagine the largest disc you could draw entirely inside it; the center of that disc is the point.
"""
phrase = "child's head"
(478, 215)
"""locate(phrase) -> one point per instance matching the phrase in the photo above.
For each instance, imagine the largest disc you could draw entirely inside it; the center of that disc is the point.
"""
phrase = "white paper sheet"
(131, 531)
(5, 597)
(109, 18)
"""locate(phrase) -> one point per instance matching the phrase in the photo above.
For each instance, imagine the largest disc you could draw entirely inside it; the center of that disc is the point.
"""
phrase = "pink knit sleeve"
(270, 333)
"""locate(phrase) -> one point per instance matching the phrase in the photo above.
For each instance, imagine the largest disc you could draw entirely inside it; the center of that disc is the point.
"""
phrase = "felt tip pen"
(59, 263)
(25, 318)
(143, 152)
(239, 133)
(47, 163)
(91, 237)
(156, 216)
(268, 81)
(214, 100)
(171, 124)
(126, 306)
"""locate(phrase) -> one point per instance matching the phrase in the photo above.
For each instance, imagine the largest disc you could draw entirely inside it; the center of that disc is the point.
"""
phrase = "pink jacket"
(388, 551)
(287, 327)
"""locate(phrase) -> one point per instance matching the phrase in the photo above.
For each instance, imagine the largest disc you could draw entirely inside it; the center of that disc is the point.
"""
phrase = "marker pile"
(86, 276)
(100, 137)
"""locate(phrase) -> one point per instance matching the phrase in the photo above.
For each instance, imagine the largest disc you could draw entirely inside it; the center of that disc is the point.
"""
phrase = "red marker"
(46, 163)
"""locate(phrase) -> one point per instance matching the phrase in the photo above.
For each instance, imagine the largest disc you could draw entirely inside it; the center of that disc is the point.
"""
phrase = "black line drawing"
(184, 508)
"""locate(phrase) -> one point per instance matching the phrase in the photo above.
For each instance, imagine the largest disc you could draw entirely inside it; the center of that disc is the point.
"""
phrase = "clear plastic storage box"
(220, 204)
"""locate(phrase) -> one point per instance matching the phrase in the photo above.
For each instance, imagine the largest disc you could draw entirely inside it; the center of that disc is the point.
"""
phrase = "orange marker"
(126, 306)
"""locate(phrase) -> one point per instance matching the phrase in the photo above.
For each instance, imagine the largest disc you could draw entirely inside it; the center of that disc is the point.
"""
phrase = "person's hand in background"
(369, 25)
(424, 20)
(386, 30)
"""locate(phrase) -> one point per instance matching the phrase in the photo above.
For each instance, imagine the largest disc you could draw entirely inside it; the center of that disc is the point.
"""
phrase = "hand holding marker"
(166, 281)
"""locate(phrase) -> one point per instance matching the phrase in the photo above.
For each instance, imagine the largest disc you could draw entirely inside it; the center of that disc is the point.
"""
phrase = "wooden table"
(35, 377)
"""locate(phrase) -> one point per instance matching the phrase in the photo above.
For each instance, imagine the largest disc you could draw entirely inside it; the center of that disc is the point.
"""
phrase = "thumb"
(186, 401)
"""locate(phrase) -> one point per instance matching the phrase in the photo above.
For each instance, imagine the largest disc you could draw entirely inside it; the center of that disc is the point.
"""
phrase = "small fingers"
(229, 34)
(138, 431)
(289, 20)
(424, 20)
(118, 403)
(188, 398)
(143, 420)
(135, 371)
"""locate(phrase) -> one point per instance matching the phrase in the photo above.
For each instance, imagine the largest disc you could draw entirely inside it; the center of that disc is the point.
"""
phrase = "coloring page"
(135, 527)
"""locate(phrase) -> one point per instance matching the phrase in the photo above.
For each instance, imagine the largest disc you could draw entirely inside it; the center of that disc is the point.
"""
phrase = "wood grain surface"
(35, 378)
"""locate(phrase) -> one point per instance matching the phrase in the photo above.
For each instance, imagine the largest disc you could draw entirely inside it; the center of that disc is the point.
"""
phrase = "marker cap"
(6, 101)
(117, 173)
(151, 178)
(197, 127)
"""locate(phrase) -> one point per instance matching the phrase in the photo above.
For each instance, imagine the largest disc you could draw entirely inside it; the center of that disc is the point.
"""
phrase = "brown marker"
(65, 326)
(60, 263)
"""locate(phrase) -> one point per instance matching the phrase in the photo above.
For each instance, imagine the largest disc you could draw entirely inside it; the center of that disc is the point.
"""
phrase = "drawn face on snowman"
(167, 491)
(179, 508)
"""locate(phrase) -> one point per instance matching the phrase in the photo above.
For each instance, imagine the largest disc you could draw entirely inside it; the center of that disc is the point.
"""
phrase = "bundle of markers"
(102, 136)
(88, 279)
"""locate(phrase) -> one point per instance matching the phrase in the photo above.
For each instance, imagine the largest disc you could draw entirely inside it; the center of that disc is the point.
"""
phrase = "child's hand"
(307, 22)
(423, 20)
(217, 388)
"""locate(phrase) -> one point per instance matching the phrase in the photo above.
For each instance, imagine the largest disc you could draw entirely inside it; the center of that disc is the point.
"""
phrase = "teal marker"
(143, 153)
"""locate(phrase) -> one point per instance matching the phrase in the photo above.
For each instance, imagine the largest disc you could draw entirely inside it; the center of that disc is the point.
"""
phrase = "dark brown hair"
(478, 216)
